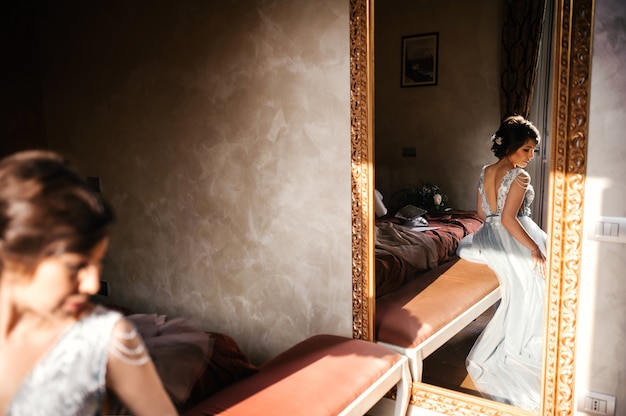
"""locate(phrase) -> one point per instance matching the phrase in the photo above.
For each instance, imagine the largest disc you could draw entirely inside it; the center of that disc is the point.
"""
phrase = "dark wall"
(22, 123)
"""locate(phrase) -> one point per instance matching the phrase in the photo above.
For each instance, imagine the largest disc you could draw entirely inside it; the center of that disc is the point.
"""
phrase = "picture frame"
(420, 56)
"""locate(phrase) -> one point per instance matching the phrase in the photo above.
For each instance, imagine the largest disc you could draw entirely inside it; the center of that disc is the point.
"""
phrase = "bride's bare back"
(493, 176)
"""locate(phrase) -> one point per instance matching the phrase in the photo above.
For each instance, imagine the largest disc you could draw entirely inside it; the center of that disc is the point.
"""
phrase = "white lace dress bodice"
(505, 362)
(70, 377)
(503, 191)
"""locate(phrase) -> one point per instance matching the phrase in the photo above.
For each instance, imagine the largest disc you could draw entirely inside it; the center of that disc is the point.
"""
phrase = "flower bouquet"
(426, 196)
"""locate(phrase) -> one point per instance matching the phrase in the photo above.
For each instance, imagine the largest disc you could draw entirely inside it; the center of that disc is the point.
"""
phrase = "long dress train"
(505, 362)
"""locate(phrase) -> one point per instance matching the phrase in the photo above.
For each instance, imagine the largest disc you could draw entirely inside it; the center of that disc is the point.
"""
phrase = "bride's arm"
(513, 203)
(131, 374)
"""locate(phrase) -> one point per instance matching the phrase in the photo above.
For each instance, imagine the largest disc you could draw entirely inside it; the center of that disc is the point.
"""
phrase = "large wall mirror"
(568, 126)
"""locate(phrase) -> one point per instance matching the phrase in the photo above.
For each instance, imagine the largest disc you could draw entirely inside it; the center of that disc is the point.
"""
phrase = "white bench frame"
(417, 354)
(398, 375)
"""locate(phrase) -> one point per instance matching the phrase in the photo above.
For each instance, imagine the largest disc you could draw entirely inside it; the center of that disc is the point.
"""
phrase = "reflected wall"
(449, 124)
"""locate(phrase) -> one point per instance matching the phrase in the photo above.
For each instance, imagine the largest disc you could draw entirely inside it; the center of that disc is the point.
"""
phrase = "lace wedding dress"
(70, 378)
(505, 362)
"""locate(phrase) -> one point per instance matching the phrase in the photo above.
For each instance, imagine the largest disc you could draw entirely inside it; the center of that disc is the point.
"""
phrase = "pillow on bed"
(380, 207)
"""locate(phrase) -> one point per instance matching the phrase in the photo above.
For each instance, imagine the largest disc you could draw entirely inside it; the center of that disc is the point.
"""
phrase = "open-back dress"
(505, 362)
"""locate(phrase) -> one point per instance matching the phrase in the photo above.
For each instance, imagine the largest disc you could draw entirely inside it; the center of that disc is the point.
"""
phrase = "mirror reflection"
(431, 140)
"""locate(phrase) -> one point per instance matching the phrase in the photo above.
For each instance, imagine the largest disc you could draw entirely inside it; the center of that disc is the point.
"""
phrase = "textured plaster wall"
(602, 316)
(221, 132)
(449, 124)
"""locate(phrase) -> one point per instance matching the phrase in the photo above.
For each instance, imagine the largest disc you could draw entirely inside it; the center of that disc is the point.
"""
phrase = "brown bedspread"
(403, 253)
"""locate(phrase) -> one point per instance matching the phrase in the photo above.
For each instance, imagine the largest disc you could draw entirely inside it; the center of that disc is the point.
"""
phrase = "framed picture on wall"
(419, 59)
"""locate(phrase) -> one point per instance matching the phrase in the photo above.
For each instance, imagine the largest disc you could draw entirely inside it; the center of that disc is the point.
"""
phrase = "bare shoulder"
(521, 174)
(123, 325)
(490, 170)
(490, 167)
(522, 178)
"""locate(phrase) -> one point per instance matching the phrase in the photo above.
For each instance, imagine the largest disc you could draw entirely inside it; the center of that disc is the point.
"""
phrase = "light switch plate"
(609, 229)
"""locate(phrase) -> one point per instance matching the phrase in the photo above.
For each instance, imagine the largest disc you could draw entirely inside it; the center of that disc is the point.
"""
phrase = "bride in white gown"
(505, 362)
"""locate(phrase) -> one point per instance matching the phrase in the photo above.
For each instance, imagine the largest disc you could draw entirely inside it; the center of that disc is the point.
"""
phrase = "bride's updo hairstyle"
(47, 209)
(512, 134)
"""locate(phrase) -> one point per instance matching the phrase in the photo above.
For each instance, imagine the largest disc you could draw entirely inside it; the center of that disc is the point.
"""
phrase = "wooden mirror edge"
(570, 126)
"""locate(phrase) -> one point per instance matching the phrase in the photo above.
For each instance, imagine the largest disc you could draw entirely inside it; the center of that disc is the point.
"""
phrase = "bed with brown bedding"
(403, 252)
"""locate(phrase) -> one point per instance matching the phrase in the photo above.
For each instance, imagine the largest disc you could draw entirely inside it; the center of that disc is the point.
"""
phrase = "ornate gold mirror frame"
(572, 67)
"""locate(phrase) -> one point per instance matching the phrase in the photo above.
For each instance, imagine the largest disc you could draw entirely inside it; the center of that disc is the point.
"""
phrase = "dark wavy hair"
(46, 209)
(512, 134)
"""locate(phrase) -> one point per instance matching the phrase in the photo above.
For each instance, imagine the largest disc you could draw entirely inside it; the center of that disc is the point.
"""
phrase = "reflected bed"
(403, 253)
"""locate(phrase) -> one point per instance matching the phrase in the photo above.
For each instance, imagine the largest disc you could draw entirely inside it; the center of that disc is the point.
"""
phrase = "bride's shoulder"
(488, 170)
(519, 173)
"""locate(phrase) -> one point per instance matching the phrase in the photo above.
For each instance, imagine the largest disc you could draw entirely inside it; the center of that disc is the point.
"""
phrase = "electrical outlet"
(410, 151)
(104, 288)
(597, 404)
(95, 182)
